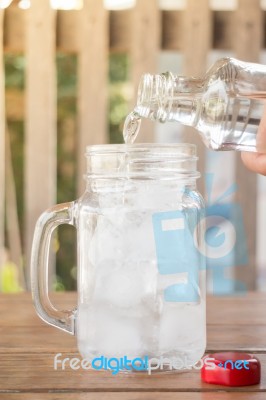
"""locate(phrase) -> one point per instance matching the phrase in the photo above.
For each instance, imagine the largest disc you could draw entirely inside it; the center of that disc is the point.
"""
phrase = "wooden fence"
(91, 33)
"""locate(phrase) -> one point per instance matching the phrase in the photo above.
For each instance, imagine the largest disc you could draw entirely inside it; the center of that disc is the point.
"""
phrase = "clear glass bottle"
(141, 273)
(226, 106)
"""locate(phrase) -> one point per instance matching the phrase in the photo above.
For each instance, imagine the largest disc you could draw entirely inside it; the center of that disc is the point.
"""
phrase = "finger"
(256, 162)
(261, 135)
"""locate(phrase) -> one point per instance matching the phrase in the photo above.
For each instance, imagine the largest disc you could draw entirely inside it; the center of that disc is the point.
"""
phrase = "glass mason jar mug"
(141, 269)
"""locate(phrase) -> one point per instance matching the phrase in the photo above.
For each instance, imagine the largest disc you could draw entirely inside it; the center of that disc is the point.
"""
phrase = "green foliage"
(14, 70)
(58, 285)
(66, 164)
(16, 137)
(118, 68)
(9, 278)
(66, 74)
(15, 79)
(118, 95)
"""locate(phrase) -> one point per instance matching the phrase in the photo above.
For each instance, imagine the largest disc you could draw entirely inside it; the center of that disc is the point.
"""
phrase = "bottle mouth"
(146, 161)
(155, 93)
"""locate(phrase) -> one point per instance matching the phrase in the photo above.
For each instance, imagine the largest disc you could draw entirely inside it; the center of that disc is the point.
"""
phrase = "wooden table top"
(28, 347)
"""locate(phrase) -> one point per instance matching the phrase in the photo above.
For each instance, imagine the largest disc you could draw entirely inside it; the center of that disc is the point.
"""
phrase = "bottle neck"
(168, 97)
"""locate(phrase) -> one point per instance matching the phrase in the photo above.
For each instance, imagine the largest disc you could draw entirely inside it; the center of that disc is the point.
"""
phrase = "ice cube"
(126, 284)
(105, 243)
(121, 235)
(182, 327)
(102, 332)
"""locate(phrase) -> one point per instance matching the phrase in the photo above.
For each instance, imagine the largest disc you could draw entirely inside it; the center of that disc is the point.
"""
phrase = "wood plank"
(67, 30)
(223, 26)
(213, 395)
(119, 32)
(28, 351)
(92, 81)
(246, 309)
(172, 30)
(15, 29)
(230, 324)
(15, 105)
(248, 34)
(242, 310)
(35, 373)
(236, 338)
(40, 118)
(2, 144)
(144, 51)
(67, 38)
(18, 339)
(248, 30)
(197, 35)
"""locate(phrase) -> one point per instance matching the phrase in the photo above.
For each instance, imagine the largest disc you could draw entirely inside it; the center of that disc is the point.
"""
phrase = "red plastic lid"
(231, 369)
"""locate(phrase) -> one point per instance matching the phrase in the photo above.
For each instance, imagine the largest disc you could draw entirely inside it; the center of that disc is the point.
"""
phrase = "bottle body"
(226, 106)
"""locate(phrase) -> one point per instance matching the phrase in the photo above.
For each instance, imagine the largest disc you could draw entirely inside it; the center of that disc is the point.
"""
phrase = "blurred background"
(69, 73)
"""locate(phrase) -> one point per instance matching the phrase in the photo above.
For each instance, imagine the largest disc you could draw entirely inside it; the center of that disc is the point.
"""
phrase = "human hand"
(256, 162)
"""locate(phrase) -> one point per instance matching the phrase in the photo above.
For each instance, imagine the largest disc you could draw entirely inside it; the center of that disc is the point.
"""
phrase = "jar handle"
(47, 222)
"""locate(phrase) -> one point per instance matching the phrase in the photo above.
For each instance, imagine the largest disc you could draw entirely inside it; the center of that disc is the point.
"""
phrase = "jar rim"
(186, 149)
(168, 160)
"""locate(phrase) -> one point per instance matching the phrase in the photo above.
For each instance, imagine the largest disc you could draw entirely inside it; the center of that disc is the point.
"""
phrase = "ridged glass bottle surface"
(232, 106)
(226, 106)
